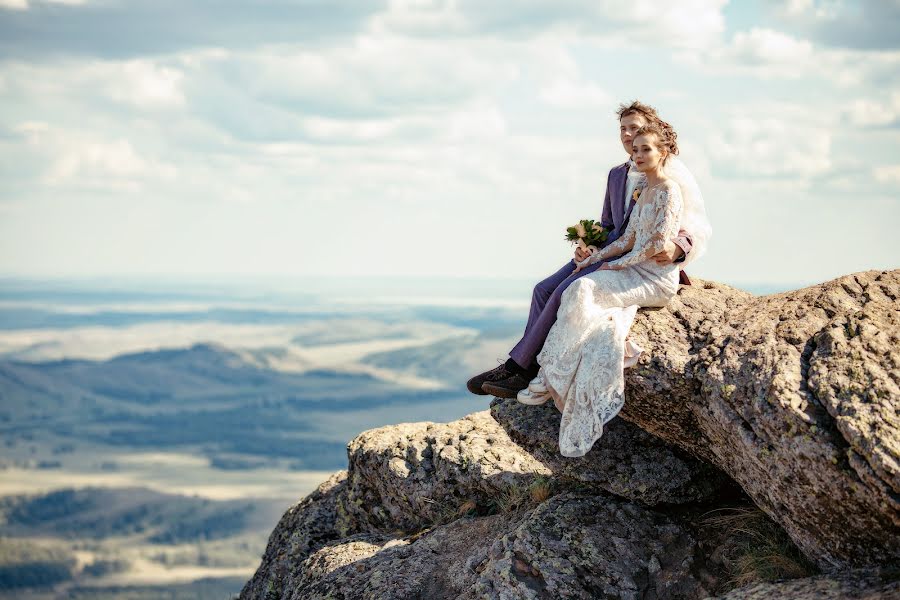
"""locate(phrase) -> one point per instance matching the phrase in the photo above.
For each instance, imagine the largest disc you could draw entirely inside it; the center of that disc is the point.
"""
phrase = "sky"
(453, 138)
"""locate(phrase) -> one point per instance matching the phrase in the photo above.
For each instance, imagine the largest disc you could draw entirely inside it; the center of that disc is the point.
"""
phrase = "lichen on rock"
(794, 396)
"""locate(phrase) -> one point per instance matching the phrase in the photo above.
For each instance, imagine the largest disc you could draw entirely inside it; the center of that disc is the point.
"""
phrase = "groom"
(513, 376)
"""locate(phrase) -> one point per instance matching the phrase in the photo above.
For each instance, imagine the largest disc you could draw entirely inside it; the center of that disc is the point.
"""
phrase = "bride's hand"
(580, 254)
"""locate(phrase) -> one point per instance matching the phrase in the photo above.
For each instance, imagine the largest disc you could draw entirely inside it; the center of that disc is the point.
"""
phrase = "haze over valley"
(152, 435)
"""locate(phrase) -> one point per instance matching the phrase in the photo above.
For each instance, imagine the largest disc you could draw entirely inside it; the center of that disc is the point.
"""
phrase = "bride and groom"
(574, 348)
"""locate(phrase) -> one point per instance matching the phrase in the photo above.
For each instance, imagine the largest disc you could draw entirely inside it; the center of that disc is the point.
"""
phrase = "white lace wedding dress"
(584, 356)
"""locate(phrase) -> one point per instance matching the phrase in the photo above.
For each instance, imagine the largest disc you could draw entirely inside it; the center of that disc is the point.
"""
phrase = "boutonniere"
(635, 194)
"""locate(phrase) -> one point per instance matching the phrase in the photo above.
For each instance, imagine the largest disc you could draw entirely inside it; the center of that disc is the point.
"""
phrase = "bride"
(583, 358)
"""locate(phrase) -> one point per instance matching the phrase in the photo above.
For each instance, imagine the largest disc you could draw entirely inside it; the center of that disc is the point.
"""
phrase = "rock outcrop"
(574, 545)
(304, 528)
(415, 475)
(630, 462)
(789, 401)
(795, 396)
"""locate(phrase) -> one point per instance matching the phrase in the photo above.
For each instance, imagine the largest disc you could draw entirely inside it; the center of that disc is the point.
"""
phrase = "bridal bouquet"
(587, 235)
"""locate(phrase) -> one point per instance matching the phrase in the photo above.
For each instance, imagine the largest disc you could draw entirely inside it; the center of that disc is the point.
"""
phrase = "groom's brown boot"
(474, 385)
(517, 381)
(509, 387)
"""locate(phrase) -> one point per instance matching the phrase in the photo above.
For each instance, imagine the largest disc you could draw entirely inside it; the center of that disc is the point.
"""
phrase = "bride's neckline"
(647, 189)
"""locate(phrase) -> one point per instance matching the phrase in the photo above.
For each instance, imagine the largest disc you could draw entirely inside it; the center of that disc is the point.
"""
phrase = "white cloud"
(865, 24)
(762, 52)
(686, 24)
(568, 93)
(89, 161)
(565, 86)
(112, 29)
(142, 84)
(691, 23)
(767, 47)
(478, 122)
(771, 144)
(26, 4)
(421, 16)
(114, 159)
(796, 7)
(810, 9)
(770, 54)
(374, 77)
(887, 174)
(872, 113)
(146, 85)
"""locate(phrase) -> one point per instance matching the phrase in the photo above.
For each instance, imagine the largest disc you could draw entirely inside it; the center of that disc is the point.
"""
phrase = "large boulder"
(415, 475)
(574, 545)
(627, 461)
(794, 395)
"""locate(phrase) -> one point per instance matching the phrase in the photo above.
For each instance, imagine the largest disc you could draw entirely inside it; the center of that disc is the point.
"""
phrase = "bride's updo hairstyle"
(666, 138)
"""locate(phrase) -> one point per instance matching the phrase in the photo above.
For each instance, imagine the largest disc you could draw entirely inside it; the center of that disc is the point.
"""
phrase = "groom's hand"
(670, 254)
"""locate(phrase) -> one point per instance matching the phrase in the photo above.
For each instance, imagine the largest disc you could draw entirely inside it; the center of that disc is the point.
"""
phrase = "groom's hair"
(638, 108)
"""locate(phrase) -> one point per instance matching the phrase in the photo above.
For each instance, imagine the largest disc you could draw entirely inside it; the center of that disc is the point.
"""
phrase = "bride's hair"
(665, 135)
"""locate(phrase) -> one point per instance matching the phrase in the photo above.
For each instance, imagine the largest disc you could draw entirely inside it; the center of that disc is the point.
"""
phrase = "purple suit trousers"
(545, 303)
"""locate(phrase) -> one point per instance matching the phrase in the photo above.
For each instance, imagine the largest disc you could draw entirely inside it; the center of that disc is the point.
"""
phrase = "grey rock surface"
(795, 396)
(851, 585)
(304, 528)
(591, 546)
(413, 475)
(434, 565)
(574, 545)
(627, 461)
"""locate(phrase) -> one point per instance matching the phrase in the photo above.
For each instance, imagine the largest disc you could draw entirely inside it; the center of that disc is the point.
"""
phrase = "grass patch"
(515, 497)
(758, 550)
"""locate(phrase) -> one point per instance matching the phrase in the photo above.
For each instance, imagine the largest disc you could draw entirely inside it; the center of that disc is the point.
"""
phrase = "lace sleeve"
(666, 215)
(621, 245)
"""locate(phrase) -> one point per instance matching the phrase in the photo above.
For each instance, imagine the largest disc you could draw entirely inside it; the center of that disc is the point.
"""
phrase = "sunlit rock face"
(415, 475)
(795, 396)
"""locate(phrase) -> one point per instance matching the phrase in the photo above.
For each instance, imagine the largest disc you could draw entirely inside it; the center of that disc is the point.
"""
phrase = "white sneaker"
(537, 385)
(530, 398)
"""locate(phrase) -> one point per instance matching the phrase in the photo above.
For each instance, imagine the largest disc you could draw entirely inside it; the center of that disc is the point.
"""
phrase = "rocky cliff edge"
(757, 456)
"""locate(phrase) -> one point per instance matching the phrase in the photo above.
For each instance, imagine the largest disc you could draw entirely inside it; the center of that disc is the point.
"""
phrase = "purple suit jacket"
(614, 217)
(617, 210)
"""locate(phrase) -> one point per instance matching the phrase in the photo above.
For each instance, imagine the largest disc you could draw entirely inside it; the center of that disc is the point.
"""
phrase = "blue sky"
(448, 138)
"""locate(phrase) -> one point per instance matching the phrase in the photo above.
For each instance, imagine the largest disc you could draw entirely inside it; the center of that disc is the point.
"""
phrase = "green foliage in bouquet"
(591, 233)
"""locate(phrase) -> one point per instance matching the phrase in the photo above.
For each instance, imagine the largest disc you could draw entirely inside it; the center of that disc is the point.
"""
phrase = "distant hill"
(205, 398)
(100, 513)
(41, 534)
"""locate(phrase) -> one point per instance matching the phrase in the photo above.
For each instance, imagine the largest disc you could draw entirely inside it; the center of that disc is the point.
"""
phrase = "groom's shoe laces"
(499, 372)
